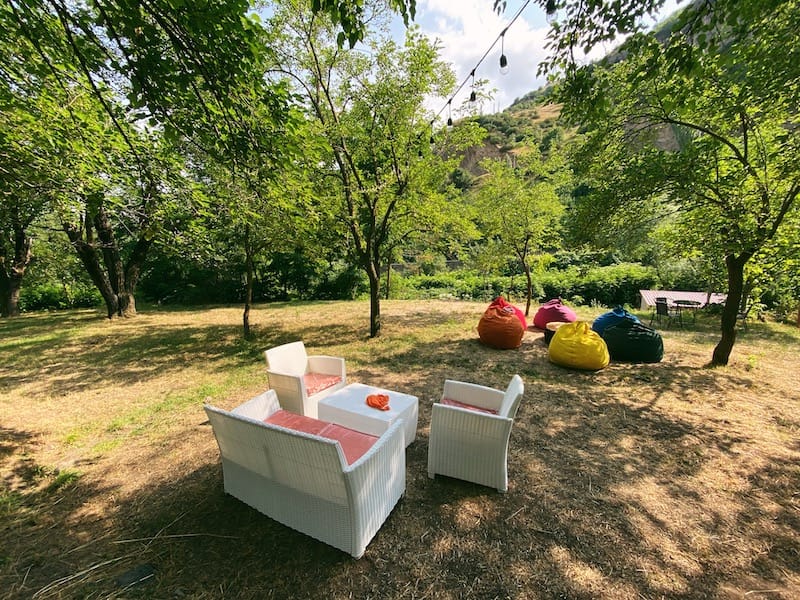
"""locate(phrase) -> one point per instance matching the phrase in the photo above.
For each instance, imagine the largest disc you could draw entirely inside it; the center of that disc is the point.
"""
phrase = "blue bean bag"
(632, 341)
(612, 318)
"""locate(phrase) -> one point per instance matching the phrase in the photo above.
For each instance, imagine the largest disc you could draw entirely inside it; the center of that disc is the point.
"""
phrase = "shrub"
(51, 296)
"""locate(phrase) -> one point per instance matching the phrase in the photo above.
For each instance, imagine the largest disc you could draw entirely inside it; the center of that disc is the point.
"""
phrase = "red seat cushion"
(451, 402)
(354, 443)
(290, 420)
(316, 382)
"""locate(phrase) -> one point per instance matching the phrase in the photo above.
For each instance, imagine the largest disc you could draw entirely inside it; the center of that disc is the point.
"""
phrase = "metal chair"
(663, 312)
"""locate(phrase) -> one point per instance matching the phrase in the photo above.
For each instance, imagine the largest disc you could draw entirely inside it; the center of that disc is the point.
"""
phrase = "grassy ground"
(670, 480)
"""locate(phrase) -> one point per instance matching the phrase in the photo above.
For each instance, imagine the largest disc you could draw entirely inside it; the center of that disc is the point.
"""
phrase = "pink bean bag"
(553, 310)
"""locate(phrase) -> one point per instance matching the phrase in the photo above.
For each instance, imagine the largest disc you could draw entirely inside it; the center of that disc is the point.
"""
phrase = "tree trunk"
(88, 255)
(5, 289)
(133, 270)
(11, 275)
(112, 259)
(248, 279)
(529, 288)
(373, 273)
(735, 267)
(126, 304)
(116, 283)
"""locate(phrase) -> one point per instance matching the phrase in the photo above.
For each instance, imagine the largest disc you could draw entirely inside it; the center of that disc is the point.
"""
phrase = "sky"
(466, 29)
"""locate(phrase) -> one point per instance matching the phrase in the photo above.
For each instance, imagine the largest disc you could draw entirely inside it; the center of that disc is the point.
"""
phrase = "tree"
(253, 209)
(710, 129)
(115, 214)
(370, 110)
(518, 207)
(29, 156)
(22, 200)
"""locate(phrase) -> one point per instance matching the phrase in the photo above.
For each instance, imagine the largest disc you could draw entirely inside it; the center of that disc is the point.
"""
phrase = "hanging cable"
(485, 54)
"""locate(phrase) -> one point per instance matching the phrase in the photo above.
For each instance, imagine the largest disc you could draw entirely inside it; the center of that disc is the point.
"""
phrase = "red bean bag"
(502, 325)
(553, 310)
(500, 302)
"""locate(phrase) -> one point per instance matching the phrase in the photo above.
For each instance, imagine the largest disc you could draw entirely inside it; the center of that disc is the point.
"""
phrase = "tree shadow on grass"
(112, 359)
(611, 496)
(606, 501)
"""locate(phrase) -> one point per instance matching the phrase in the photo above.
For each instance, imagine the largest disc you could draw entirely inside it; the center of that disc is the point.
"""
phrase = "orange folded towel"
(379, 401)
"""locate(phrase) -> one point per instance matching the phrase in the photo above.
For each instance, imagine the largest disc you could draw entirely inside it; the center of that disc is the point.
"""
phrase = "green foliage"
(702, 128)
(63, 479)
(49, 296)
(352, 18)
(604, 285)
(177, 280)
(380, 180)
(465, 285)
(615, 284)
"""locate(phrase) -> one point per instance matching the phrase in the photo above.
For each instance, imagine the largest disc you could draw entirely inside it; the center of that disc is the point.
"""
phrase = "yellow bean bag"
(575, 345)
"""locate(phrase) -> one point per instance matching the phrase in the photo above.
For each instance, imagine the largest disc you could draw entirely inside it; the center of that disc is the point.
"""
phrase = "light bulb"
(473, 96)
(503, 59)
(503, 64)
(551, 11)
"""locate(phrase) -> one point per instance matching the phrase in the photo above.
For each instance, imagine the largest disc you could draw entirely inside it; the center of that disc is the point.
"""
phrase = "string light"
(503, 59)
(503, 69)
(473, 96)
(551, 12)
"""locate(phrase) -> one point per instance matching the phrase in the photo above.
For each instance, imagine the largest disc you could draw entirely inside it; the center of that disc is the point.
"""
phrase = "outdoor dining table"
(690, 305)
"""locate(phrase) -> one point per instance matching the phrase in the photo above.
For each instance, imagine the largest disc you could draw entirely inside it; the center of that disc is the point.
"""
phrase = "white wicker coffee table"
(348, 408)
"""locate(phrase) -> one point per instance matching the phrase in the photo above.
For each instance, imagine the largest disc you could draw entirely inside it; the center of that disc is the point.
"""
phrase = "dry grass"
(640, 481)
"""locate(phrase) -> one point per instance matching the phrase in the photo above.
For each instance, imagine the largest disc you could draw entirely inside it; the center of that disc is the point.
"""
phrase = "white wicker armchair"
(470, 428)
(303, 480)
(301, 381)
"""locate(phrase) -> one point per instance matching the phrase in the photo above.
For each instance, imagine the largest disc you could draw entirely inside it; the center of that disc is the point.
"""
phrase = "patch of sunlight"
(106, 446)
(671, 527)
(63, 479)
(588, 579)
(468, 514)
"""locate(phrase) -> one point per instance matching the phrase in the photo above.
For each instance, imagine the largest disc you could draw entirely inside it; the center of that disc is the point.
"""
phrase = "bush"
(617, 284)
(464, 285)
(50, 296)
(607, 286)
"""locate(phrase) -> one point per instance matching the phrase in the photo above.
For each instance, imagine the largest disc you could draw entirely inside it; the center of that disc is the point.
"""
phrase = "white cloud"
(466, 29)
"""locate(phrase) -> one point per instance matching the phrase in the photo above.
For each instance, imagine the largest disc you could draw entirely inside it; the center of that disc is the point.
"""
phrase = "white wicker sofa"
(304, 480)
